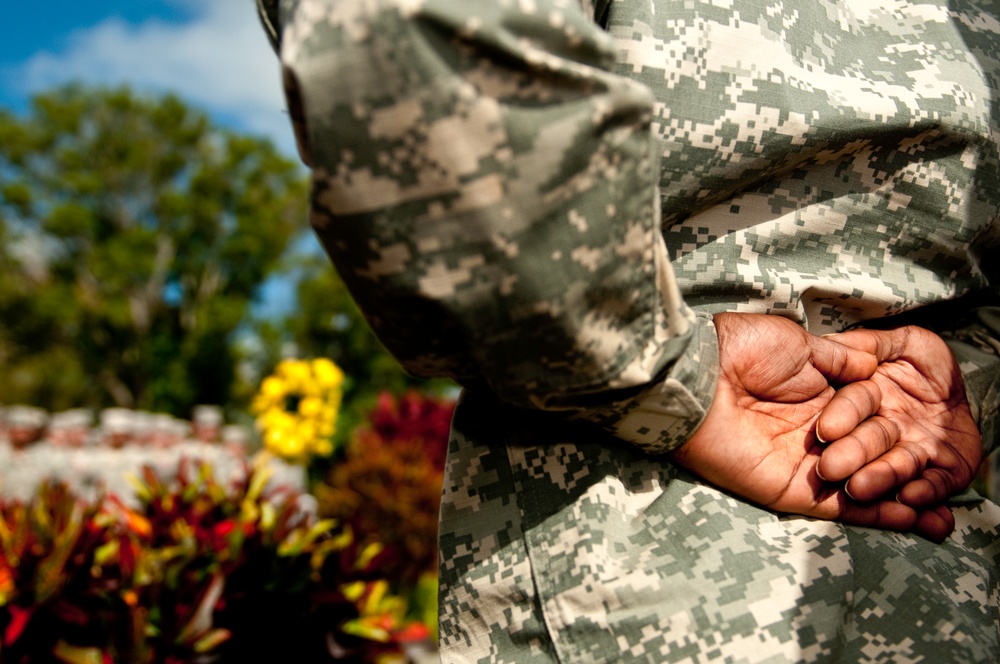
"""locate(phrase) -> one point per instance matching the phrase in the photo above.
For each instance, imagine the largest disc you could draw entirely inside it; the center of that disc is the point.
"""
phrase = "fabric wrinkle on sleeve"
(487, 189)
(976, 346)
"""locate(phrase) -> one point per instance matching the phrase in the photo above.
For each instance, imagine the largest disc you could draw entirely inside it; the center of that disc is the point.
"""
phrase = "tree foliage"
(327, 323)
(134, 235)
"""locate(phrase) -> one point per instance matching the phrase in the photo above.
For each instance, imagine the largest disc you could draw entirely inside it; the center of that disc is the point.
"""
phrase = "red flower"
(223, 528)
(18, 621)
(415, 631)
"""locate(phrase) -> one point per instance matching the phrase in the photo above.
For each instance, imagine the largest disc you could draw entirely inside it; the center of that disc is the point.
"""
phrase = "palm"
(939, 447)
(758, 439)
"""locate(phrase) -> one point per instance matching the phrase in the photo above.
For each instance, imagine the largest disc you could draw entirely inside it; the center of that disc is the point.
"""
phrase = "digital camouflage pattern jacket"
(548, 199)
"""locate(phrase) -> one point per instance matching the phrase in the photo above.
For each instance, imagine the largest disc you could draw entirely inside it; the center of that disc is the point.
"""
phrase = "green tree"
(135, 236)
(327, 323)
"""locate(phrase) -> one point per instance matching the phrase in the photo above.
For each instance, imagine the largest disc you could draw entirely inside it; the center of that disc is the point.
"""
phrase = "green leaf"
(300, 540)
(212, 640)
(366, 630)
(201, 621)
(71, 654)
(50, 575)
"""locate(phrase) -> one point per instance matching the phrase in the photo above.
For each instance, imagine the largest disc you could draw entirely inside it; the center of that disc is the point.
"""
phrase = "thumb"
(840, 362)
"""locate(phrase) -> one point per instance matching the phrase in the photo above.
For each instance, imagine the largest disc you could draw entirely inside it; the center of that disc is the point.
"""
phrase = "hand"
(758, 439)
(931, 448)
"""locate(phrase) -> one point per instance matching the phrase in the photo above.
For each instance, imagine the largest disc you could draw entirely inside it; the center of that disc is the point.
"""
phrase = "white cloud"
(220, 60)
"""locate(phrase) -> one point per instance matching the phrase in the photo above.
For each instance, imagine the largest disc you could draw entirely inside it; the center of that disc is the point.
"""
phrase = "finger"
(848, 455)
(849, 407)
(884, 515)
(888, 473)
(840, 363)
(935, 524)
(947, 473)
(834, 504)
(885, 345)
(935, 485)
(921, 492)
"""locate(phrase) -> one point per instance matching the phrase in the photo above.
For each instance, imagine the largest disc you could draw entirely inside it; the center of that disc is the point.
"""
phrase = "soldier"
(202, 436)
(143, 428)
(70, 428)
(621, 225)
(64, 452)
(25, 463)
(164, 431)
(235, 440)
(25, 425)
(206, 423)
(116, 428)
(108, 463)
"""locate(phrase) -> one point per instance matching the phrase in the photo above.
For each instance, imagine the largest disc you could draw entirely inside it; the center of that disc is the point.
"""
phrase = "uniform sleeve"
(976, 345)
(487, 189)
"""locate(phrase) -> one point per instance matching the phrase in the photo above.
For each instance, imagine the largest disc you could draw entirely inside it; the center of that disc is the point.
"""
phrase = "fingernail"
(898, 500)
(848, 491)
(818, 436)
(820, 475)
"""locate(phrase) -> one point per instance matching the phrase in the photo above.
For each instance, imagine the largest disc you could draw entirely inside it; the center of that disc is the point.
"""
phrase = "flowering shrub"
(202, 571)
(387, 487)
(296, 408)
(415, 417)
(198, 572)
(52, 583)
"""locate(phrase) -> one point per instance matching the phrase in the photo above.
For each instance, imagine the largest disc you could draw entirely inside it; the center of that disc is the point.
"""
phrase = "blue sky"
(210, 52)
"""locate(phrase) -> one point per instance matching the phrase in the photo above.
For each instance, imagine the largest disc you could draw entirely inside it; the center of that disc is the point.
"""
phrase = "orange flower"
(138, 524)
(6, 582)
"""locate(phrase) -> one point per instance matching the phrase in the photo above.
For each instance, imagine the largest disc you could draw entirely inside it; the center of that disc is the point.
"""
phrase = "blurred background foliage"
(153, 260)
(137, 243)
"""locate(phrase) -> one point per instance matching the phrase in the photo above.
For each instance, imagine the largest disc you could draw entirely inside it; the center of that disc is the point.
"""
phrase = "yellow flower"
(311, 407)
(296, 408)
(273, 388)
(328, 374)
(295, 372)
(306, 430)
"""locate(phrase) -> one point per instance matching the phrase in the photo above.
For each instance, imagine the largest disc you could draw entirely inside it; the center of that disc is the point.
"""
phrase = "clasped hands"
(865, 427)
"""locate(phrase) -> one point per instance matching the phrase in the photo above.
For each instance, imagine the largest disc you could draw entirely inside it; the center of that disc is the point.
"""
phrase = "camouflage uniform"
(548, 199)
